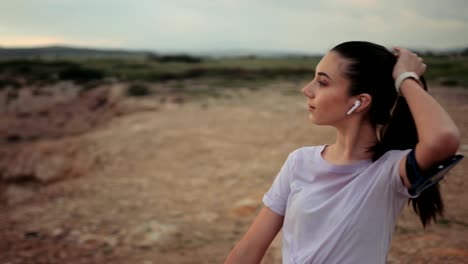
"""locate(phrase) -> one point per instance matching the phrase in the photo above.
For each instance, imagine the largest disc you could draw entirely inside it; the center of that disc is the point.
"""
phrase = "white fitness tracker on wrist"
(404, 76)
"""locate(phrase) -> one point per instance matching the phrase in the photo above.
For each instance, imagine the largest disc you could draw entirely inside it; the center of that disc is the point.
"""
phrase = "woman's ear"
(366, 100)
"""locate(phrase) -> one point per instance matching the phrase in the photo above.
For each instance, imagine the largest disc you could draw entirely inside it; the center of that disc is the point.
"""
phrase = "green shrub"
(9, 82)
(185, 58)
(138, 89)
(80, 74)
(449, 82)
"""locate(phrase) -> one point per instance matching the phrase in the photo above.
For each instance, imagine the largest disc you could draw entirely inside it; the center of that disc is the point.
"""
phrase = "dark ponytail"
(400, 133)
(370, 71)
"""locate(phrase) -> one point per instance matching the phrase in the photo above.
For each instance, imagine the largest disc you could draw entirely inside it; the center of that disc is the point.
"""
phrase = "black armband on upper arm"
(421, 180)
(413, 172)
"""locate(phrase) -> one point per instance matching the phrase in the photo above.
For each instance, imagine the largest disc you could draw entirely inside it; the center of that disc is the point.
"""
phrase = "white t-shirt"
(337, 213)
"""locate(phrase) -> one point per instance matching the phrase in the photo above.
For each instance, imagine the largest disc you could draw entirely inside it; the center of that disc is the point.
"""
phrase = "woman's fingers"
(401, 50)
(407, 61)
(423, 69)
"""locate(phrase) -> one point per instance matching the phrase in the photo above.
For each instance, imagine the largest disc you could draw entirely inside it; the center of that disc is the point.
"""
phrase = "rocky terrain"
(98, 177)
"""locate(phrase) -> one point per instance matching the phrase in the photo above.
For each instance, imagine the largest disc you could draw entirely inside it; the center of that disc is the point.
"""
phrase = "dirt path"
(182, 183)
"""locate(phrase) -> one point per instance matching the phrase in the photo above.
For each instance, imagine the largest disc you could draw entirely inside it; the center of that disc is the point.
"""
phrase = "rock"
(75, 234)
(51, 168)
(44, 162)
(245, 207)
(58, 232)
(98, 239)
(176, 99)
(32, 234)
(17, 164)
(207, 216)
(54, 112)
(152, 233)
(16, 194)
(62, 254)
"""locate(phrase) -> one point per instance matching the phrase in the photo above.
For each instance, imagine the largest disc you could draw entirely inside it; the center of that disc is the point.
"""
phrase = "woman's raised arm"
(439, 137)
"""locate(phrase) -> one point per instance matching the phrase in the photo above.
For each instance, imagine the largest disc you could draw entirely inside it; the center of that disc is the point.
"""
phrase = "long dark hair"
(370, 71)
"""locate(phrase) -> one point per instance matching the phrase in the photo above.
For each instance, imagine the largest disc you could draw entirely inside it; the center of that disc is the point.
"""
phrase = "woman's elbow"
(447, 143)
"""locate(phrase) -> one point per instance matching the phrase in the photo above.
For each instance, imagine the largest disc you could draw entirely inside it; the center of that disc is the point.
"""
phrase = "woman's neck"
(352, 144)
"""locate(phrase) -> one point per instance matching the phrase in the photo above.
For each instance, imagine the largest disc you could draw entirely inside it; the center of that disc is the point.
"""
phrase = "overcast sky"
(311, 26)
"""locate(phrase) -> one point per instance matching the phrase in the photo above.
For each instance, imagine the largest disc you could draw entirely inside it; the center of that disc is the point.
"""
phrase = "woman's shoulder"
(307, 150)
(392, 156)
(395, 152)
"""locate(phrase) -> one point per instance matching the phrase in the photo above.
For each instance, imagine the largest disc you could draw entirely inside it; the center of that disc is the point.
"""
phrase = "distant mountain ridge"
(69, 52)
(64, 52)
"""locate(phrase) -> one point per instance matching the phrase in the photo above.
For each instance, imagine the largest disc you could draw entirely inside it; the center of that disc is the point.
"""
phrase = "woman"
(340, 203)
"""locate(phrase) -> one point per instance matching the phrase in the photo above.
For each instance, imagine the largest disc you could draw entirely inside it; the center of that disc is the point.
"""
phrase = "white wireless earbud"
(355, 106)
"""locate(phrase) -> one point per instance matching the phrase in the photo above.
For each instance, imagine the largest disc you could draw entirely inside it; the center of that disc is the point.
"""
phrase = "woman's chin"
(314, 120)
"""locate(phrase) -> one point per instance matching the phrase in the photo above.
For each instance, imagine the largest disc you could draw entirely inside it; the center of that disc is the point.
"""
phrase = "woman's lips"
(310, 108)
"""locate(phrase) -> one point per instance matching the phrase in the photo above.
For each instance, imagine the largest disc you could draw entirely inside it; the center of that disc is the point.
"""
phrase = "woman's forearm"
(244, 254)
(252, 247)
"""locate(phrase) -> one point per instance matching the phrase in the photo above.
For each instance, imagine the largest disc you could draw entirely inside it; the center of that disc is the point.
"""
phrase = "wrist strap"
(404, 76)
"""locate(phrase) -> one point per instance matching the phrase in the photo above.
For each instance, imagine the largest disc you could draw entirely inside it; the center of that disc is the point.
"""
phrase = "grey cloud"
(224, 24)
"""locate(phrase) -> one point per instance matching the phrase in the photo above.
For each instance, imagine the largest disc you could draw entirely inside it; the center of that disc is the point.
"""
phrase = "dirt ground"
(181, 183)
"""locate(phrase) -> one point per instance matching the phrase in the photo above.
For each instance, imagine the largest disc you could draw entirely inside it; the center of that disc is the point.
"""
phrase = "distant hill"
(67, 52)
(62, 52)
(235, 53)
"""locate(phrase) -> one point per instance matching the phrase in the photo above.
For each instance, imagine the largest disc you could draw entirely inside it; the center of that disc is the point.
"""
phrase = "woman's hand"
(407, 62)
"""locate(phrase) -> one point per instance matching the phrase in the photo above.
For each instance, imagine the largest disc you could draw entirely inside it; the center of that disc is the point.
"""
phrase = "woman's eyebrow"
(324, 74)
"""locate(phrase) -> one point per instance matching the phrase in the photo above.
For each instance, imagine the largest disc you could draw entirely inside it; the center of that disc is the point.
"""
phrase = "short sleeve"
(396, 181)
(277, 196)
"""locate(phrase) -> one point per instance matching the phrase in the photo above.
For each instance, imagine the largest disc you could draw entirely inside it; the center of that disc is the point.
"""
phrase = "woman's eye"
(321, 83)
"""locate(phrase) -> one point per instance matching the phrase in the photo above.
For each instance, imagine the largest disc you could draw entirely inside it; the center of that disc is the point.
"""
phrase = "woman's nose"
(307, 90)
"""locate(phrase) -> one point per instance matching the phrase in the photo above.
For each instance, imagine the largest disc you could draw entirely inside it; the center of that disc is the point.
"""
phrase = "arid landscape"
(100, 177)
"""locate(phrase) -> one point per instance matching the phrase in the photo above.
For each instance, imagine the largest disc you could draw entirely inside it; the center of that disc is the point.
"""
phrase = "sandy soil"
(181, 183)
